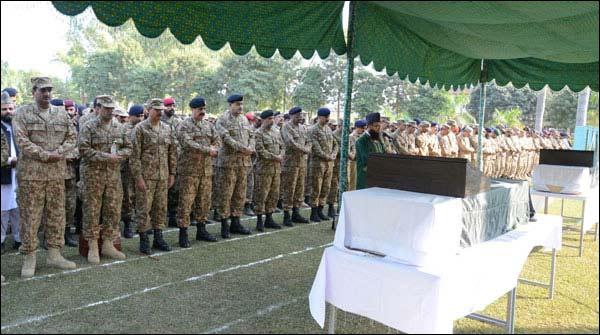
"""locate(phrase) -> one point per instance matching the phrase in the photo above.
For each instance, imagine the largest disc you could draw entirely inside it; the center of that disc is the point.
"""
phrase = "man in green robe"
(369, 142)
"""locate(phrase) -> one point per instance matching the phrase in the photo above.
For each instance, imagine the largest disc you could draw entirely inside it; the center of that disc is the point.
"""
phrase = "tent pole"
(347, 103)
(481, 117)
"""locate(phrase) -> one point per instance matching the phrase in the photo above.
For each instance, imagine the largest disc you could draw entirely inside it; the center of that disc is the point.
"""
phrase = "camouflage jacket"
(196, 138)
(268, 146)
(422, 142)
(38, 134)
(323, 144)
(154, 155)
(297, 143)
(236, 134)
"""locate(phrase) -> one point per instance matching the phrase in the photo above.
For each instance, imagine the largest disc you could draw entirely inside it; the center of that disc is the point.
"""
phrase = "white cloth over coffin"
(562, 179)
(425, 299)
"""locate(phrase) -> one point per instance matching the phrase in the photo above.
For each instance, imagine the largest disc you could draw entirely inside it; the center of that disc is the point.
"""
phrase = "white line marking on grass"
(158, 254)
(145, 290)
(262, 312)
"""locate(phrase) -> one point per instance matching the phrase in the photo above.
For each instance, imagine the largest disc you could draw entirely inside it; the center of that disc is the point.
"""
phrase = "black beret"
(80, 109)
(372, 118)
(323, 111)
(276, 113)
(266, 114)
(235, 97)
(11, 91)
(57, 102)
(136, 110)
(295, 110)
(197, 102)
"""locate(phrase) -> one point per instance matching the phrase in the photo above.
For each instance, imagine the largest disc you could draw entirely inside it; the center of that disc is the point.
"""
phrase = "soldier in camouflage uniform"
(173, 121)
(411, 139)
(422, 140)
(199, 144)
(297, 148)
(71, 180)
(465, 150)
(359, 129)
(44, 138)
(445, 144)
(136, 113)
(103, 143)
(154, 163)
(488, 150)
(333, 188)
(324, 152)
(233, 163)
(269, 150)
(454, 130)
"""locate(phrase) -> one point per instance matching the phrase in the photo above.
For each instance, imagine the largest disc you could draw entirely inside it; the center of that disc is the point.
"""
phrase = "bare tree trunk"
(582, 107)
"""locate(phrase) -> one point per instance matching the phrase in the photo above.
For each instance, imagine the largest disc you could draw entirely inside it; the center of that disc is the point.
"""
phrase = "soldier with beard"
(369, 142)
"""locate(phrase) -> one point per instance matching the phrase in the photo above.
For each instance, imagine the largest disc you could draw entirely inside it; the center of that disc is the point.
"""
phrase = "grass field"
(253, 284)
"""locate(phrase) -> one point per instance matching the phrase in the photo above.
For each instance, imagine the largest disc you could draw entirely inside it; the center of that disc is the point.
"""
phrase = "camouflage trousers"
(267, 191)
(321, 181)
(333, 188)
(250, 179)
(308, 179)
(173, 199)
(215, 187)
(102, 199)
(232, 181)
(351, 175)
(293, 179)
(488, 165)
(36, 198)
(194, 197)
(128, 203)
(70, 201)
(151, 205)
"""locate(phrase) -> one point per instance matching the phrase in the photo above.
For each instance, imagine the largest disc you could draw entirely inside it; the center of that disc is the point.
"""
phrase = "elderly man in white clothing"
(10, 211)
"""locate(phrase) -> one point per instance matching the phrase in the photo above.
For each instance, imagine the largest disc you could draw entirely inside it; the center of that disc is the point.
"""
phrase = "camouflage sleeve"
(73, 154)
(261, 150)
(187, 141)
(335, 148)
(226, 137)
(135, 164)
(4, 146)
(317, 150)
(288, 139)
(26, 147)
(85, 147)
(215, 138)
(126, 148)
(69, 146)
(172, 154)
(252, 139)
(462, 144)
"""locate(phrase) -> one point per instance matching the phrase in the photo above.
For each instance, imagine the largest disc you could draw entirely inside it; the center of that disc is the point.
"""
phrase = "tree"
(310, 93)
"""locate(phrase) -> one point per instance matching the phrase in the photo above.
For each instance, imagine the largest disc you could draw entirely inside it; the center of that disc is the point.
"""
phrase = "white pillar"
(582, 107)
(539, 108)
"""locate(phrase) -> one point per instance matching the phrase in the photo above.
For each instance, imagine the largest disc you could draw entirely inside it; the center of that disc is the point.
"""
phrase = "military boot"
(321, 215)
(279, 207)
(248, 210)
(331, 211)
(28, 269)
(109, 250)
(237, 228)
(270, 223)
(159, 243)
(287, 220)
(184, 242)
(225, 228)
(57, 260)
(93, 255)
(145, 244)
(69, 240)
(127, 231)
(314, 215)
(296, 217)
(202, 234)
(216, 216)
(259, 223)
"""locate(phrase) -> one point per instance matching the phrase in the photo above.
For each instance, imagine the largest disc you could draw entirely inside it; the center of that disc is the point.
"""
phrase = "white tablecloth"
(561, 179)
(413, 228)
(427, 299)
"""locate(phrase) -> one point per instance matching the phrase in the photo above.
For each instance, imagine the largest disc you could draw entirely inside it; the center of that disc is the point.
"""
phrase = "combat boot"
(216, 216)
(57, 260)
(28, 269)
(279, 207)
(93, 255)
(237, 228)
(69, 241)
(247, 210)
(320, 214)
(145, 244)
(270, 223)
(314, 215)
(296, 217)
(159, 243)
(287, 220)
(184, 242)
(109, 250)
(127, 231)
(202, 234)
(259, 223)
(224, 228)
(331, 211)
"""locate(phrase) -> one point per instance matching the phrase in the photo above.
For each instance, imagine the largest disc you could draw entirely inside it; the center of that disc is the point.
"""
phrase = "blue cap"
(266, 114)
(434, 124)
(323, 111)
(57, 102)
(276, 113)
(80, 109)
(197, 102)
(11, 91)
(136, 110)
(417, 120)
(235, 97)
(295, 110)
(360, 123)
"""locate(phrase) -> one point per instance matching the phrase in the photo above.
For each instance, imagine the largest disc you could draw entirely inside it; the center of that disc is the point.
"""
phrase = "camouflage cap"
(424, 124)
(412, 124)
(105, 101)
(6, 98)
(155, 104)
(451, 123)
(468, 129)
(41, 82)
(119, 111)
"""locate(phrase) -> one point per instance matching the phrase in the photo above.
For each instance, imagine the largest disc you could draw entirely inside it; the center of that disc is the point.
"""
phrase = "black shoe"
(314, 216)
(203, 235)
(145, 244)
(225, 229)
(69, 241)
(533, 219)
(331, 211)
(16, 245)
(248, 210)
(321, 215)
(280, 204)
(172, 221)
(296, 217)
(127, 231)
(237, 228)
(159, 243)
(270, 223)
(307, 199)
(216, 216)
(259, 223)
(277, 210)
(287, 220)
(184, 242)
